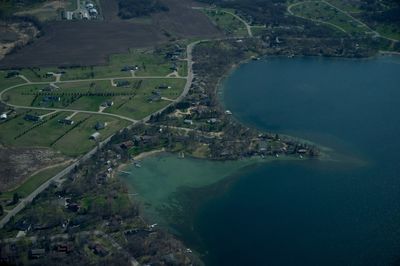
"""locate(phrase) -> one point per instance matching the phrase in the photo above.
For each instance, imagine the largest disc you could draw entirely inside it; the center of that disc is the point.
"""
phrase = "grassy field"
(131, 100)
(8, 82)
(71, 140)
(226, 22)
(150, 64)
(320, 11)
(345, 5)
(76, 142)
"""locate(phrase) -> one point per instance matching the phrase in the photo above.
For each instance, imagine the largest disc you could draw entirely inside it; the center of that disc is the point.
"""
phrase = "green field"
(71, 140)
(320, 11)
(76, 142)
(8, 82)
(131, 100)
(226, 22)
(150, 64)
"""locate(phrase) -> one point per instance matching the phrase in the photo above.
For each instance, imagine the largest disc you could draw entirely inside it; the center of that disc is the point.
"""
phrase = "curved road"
(377, 34)
(60, 175)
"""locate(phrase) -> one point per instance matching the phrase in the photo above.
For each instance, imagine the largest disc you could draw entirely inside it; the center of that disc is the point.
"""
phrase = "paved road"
(59, 176)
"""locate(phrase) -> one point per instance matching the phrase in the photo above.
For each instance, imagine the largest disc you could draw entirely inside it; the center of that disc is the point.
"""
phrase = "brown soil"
(17, 164)
(67, 43)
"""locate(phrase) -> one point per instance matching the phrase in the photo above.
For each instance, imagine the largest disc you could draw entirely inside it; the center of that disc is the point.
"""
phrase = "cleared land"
(88, 43)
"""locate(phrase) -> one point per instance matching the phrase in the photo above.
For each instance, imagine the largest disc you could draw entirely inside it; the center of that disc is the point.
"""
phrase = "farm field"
(90, 43)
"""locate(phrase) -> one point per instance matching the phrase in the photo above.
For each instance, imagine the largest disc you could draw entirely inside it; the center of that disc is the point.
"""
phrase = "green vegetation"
(323, 12)
(226, 22)
(148, 64)
(71, 140)
(6, 82)
(76, 141)
(132, 100)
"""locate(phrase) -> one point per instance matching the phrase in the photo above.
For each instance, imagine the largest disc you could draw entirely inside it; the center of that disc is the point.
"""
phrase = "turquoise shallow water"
(302, 212)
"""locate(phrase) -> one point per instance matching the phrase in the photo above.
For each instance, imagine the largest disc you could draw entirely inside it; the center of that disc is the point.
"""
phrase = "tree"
(15, 198)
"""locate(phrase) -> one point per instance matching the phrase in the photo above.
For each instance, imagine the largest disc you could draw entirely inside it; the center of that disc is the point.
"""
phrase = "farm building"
(95, 136)
(3, 116)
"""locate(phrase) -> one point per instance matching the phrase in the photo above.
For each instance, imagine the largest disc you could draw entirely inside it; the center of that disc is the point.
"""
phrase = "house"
(32, 118)
(89, 6)
(3, 116)
(69, 15)
(130, 68)
(12, 73)
(37, 253)
(164, 87)
(212, 121)
(122, 83)
(48, 88)
(93, 12)
(66, 121)
(95, 136)
(154, 98)
(109, 103)
(64, 248)
(188, 121)
(127, 144)
(51, 98)
(100, 125)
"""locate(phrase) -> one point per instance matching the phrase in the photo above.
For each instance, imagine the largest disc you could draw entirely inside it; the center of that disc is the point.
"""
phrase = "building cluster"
(87, 12)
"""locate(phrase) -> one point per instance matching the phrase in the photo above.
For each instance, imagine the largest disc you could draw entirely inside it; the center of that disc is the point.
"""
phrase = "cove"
(343, 212)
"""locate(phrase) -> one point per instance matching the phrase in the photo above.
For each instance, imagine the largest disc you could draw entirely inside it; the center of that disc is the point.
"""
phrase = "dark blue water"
(310, 212)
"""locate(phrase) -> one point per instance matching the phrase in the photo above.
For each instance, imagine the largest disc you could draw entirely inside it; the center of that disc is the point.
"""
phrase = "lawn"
(71, 140)
(76, 142)
(131, 101)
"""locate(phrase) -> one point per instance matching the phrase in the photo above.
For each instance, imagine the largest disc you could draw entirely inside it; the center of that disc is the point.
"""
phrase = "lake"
(339, 212)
